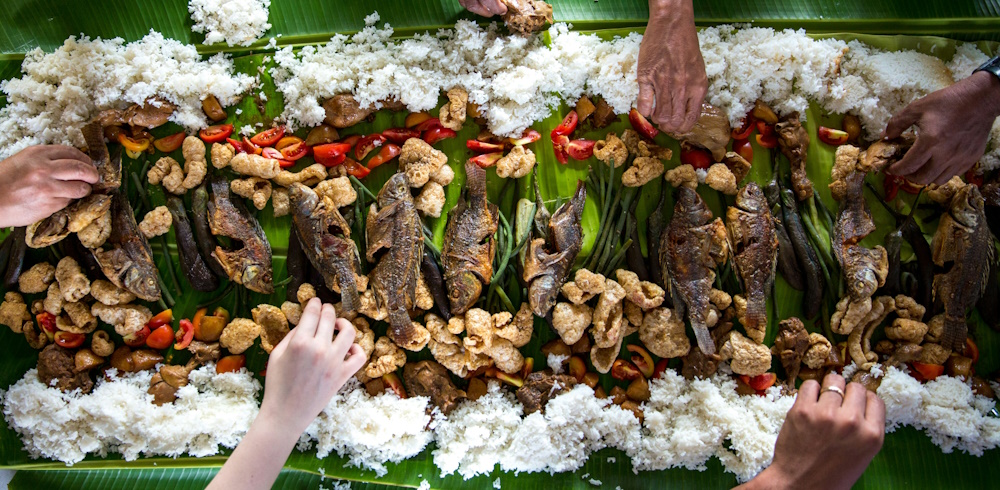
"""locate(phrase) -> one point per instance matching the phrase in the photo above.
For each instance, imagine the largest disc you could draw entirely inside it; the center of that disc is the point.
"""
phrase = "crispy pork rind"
(273, 324)
(35, 338)
(719, 298)
(445, 346)
(156, 222)
(386, 358)
(662, 332)
(167, 172)
(906, 330)
(53, 302)
(935, 329)
(505, 356)
(292, 312)
(280, 201)
(443, 175)
(369, 307)
(419, 338)
(608, 316)
(570, 321)
(195, 166)
(364, 336)
(817, 352)
(81, 320)
(309, 176)
(222, 154)
(456, 324)
(339, 190)
(721, 179)
(682, 175)
(746, 356)
(908, 308)
(604, 357)
(644, 294)
(611, 150)
(634, 314)
(109, 294)
(305, 293)
(453, 113)
(642, 171)
(517, 163)
(72, 281)
(631, 140)
(584, 286)
(239, 335)
(737, 165)
(431, 199)
(942, 194)
(126, 319)
(517, 330)
(422, 297)
(97, 232)
(256, 189)
(37, 278)
(849, 314)
(859, 341)
(478, 331)
(101, 344)
(419, 160)
(14, 311)
(252, 164)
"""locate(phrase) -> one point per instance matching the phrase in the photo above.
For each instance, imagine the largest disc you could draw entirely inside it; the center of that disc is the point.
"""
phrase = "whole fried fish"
(793, 140)
(690, 249)
(394, 237)
(250, 263)
(126, 257)
(963, 246)
(754, 244)
(548, 262)
(469, 244)
(326, 240)
(864, 269)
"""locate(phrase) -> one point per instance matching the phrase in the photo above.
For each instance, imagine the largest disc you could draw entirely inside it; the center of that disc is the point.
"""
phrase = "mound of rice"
(237, 22)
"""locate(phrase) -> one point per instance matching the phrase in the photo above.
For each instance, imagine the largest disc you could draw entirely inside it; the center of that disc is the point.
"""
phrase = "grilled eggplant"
(195, 269)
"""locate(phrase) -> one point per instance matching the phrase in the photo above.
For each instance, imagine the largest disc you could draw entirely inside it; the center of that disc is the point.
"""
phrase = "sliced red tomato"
(623, 370)
(890, 186)
(561, 155)
(428, 125)
(356, 169)
(230, 364)
(137, 339)
(768, 141)
(161, 337)
(744, 149)
(268, 137)
(170, 143)
(287, 141)
(215, 134)
(162, 318)
(47, 322)
(69, 340)
(295, 151)
(529, 136)
(351, 140)
(184, 336)
(661, 366)
(413, 119)
(483, 147)
(746, 128)
(388, 152)
(366, 144)
(268, 152)
(926, 372)
(580, 149)
(833, 137)
(486, 160)
(331, 154)
(567, 126)
(642, 359)
(237, 145)
(695, 157)
(400, 135)
(250, 147)
(760, 382)
(432, 136)
(641, 125)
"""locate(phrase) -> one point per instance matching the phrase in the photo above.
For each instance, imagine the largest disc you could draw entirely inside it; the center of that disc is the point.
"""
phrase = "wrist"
(988, 84)
(671, 10)
(278, 425)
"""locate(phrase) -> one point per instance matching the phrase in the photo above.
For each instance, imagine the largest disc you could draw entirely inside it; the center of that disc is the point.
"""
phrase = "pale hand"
(671, 71)
(40, 180)
(486, 8)
(953, 128)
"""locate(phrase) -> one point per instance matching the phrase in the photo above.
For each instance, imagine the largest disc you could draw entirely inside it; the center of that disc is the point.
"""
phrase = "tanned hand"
(953, 126)
(40, 180)
(671, 71)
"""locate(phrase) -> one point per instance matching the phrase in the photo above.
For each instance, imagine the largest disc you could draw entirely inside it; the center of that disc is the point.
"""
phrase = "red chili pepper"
(529, 136)
(400, 135)
(268, 137)
(661, 366)
(567, 126)
(746, 128)
(432, 136)
(366, 144)
(215, 134)
(184, 335)
(642, 125)
(768, 141)
(486, 160)
(237, 145)
(388, 152)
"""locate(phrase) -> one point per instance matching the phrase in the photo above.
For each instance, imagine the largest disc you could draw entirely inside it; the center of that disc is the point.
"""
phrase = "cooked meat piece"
(793, 140)
(711, 131)
(540, 387)
(57, 368)
(343, 111)
(698, 365)
(152, 113)
(525, 17)
(790, 345)
(428, 378)
(603, 113)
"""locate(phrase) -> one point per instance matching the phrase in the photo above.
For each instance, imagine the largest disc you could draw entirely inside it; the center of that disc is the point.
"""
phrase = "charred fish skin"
(394, 238)
(964, 246)
(690, 249)
(251, 264)
(548, 261)
(126, 257)
(754, 245)
(109, 166)
(469, 243)
(326, 241)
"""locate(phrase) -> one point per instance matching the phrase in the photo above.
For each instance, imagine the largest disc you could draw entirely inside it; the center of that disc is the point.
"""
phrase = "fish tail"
(705, 342)
(756, 319)
(955, 333)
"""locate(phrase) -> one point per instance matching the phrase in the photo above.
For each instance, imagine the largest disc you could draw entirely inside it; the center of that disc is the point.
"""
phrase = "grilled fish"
(394, 238)
(108, 166)
(469, 244)
(864, 269)
(326, 241)
(793, 140)
(754, 244)
(125, 257)
(250, 264)
(690, 249)
(548, 262)
(963, 246)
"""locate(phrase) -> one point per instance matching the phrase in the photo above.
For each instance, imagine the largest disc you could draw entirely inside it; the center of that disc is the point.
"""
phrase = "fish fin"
(705, 342)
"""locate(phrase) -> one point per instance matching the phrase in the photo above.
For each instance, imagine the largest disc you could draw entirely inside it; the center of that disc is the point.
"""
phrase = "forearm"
(259, 457)
(671, 10)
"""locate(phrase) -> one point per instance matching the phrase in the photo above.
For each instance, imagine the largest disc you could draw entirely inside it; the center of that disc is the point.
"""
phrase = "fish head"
(395, 189)
(258, 279)
(464, 290)
(691, 209)
(542, 294)
(967, 206)
(865, 283)
(141, 283)
(751, 198)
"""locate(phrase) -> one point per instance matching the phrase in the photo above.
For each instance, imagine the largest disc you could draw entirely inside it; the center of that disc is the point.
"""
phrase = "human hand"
(40, 180)
(306, 369)
(954, 125)
(671, 71)
(486, 8)
(827, 440)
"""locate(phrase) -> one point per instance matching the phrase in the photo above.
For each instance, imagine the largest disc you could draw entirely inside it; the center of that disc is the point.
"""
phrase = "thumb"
(906, 117)
(645, 102)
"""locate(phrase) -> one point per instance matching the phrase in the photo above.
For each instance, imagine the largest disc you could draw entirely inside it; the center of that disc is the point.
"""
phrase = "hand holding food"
(828, 438)
(672, 80)
(40, 180)
(954, 125)
(486, 8)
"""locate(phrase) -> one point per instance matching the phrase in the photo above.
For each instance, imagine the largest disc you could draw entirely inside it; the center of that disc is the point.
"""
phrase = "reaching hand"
(827, 439)
(954, 125)
(486, 8)
(671, 71)
(40, 180)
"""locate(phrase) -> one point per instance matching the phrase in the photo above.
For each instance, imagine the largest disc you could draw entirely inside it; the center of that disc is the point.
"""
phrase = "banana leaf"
(908, 457)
